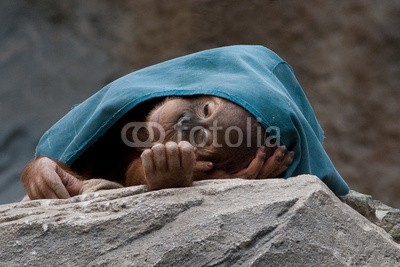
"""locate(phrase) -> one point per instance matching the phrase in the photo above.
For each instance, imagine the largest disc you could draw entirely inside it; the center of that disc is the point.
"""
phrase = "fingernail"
(263, 149)
(210, 164)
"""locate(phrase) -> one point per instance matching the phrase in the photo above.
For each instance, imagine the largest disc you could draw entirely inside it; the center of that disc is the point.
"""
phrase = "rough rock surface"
(294, 222)
(378, 213)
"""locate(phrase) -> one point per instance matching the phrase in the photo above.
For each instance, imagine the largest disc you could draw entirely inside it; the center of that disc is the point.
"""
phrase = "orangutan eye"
(206, 110)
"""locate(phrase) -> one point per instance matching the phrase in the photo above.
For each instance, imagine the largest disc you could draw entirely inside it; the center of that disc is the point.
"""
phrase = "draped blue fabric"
(253, 77)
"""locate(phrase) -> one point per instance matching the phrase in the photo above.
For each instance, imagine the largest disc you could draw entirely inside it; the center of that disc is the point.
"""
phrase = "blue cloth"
(253, 77)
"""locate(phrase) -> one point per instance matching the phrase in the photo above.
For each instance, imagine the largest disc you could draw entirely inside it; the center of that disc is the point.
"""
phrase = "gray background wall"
(346, 54)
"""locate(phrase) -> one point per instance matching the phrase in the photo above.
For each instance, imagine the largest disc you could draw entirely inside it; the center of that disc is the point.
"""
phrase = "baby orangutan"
(187, 139)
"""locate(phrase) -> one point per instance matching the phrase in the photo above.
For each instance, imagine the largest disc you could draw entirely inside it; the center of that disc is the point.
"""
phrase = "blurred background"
(346, 55)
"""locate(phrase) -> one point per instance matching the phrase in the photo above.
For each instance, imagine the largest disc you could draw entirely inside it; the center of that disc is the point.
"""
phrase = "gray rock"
(276, 222)
(380, 214)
